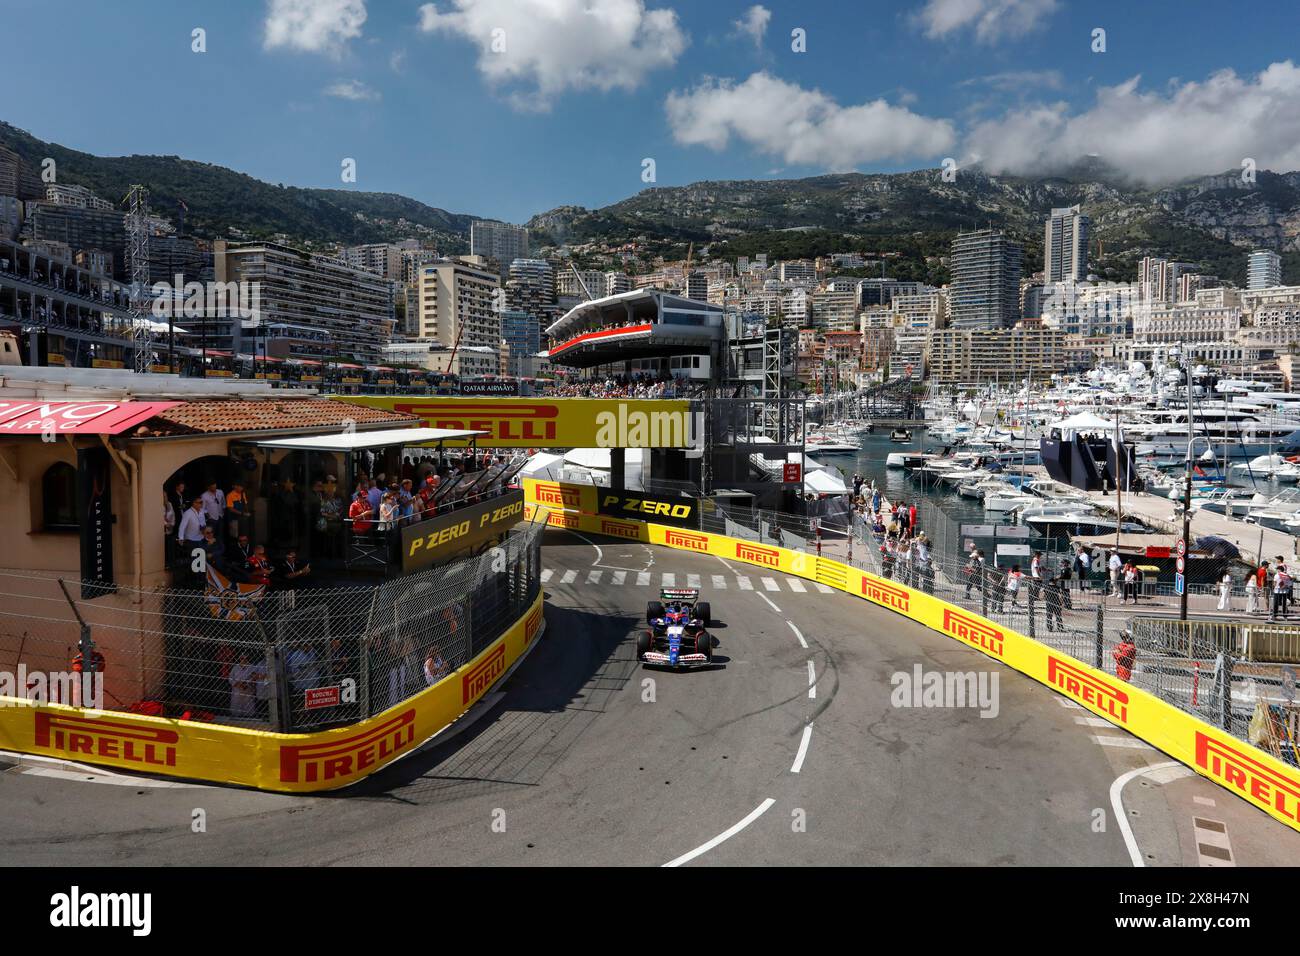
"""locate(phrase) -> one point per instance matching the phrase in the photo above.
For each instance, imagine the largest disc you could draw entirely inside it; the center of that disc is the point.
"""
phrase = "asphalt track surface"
(581, 761)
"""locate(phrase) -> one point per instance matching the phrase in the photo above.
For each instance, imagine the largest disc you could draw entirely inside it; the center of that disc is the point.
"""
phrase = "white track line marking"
(693, 581)
(1093, 722)
(802, 642)
(769, 602)
(719, 582)
(1067, 703)
(670, 579)
(593, 577)
(643, 579)
(725, 835)
(1204, 801)
(568, 577)
(1129, 742)
(803, 749)
(770, 584)
(546, 574)
(1117, 807)
(812, 681)
(824, 588)
(796, 585)
(619, 577)
(745, 583)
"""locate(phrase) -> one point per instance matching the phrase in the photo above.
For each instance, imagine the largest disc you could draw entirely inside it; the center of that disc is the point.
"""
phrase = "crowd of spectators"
(637, 385)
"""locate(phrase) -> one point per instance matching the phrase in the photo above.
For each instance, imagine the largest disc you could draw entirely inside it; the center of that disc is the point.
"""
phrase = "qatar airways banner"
(76, 418)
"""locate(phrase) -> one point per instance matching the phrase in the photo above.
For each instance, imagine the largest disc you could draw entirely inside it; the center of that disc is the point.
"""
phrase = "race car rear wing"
(678, 594)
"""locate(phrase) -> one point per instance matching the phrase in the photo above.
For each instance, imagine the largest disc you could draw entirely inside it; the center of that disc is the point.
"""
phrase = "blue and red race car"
(678, 634)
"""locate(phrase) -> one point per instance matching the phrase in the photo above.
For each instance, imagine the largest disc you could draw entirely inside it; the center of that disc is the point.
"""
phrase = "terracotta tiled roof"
(214, 416)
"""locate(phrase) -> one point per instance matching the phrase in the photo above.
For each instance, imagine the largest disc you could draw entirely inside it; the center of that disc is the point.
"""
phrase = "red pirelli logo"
(620, 529)
(562, 520)
(551, 493)
(1086, 689)
(684, 539)
(109, 739)
(1235, 767)
(317, 763)
(889, 595)
(484, 674)
(532, 624)
(758, 555)
(973, 631)
(506, 421)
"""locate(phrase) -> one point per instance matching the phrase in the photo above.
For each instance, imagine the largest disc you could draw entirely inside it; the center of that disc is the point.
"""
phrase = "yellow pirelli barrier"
(296, 763)
(549, 422)
(1250, 773)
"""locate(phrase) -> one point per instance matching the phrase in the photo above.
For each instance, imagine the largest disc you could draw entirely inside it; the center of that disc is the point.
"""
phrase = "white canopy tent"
(379, 438)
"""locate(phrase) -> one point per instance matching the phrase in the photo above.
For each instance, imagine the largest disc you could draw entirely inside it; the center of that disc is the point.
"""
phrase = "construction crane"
(137, 254)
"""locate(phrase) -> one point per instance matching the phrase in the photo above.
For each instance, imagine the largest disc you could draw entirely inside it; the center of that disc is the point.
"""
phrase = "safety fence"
(1205, 703)
(284, 660)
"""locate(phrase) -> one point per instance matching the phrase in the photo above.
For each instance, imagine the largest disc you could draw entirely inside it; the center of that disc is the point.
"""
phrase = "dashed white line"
(619, 577)
(692, 580)
(1204, 801)
(769, 602)
(803, 749)
(643, 579)
(569, 577)
(1068, 704)
(744, 583)
(546, 574)
(593, 577)
(802, 642)
(670, 579)
(812, 681)
(796, 585)
(770, 584)
(824, 588)
(719, 582)
(725, 835)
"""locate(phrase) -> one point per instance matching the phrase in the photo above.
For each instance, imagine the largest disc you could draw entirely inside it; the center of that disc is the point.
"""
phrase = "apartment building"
(969, 356)
(311, 306)
(985, 289)
(1170, 324)
(498, 241)
(1263, 270)
(1065, 245)
(459, 305)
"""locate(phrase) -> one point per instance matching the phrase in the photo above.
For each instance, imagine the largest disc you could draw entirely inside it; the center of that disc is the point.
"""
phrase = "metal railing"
(288, 660)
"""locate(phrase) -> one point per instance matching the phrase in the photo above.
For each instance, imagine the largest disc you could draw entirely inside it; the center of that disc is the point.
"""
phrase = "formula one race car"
(678, 634)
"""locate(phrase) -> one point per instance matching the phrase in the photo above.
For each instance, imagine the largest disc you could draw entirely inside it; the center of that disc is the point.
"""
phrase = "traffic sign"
(1182, 547)
(1178, 584)
(1180, 564)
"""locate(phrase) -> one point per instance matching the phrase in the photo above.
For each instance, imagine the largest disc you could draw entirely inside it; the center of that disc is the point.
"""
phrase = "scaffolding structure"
(137, 252)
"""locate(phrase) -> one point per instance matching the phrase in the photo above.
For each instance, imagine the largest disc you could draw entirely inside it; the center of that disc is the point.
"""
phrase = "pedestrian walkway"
(716, 582)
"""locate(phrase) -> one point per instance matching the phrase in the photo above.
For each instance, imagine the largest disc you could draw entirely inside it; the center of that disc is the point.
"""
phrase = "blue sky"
(569, 109)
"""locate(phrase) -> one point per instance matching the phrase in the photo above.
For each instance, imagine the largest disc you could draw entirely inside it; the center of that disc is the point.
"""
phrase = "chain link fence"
(289, 660)
(1236, 674)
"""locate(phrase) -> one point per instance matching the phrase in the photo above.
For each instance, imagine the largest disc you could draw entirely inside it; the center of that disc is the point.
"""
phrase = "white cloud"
(753, 23)
(1191, 129)
(992, 20)
(553, 46)
(802, 127)
(353, 90)
(397, 61)
(313, 26)
(1023, 81)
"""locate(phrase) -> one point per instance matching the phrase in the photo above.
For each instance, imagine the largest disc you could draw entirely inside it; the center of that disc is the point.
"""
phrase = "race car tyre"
(653, 609)
(702, 612)
(643, 642)
(704, 644)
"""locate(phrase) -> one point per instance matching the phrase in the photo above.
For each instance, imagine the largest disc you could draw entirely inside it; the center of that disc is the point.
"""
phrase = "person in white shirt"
(1252, 595)
(1114, 564)
(1013, 583)
(1225, 592)
(191, 530)
(214, 504)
